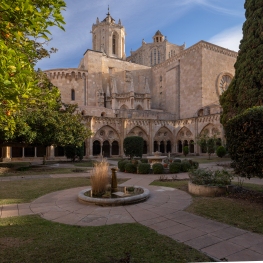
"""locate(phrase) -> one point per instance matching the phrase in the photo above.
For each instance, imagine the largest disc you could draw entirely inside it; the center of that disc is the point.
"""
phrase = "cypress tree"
(246, 89)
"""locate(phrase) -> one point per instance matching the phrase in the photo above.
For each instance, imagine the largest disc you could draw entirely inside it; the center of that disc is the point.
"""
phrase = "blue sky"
(182, 21)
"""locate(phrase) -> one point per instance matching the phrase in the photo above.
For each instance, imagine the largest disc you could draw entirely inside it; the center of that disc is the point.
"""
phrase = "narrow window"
(114, 44)
(155, 57)
(72, 94)
(158, 57)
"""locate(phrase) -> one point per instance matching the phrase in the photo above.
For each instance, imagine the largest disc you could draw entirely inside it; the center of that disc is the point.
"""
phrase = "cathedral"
(166, 93)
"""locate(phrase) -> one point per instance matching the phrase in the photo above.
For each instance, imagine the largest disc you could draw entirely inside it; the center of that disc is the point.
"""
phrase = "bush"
(130, 168)
(72, 152)
(221, 151)
(121, 165)
(195, 165)
(244, 135)
(185, 166)
(144, 168)
(157, 168)
(133, 146)
(211, 178)
(177, 161)
(175, 167)
(144, 160)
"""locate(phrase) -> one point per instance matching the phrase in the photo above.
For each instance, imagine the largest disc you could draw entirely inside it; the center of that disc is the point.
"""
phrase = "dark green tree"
(133, 146)
(246, 89)
(185, 150)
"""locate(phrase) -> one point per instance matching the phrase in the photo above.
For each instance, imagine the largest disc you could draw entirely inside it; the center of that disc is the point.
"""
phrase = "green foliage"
(185, 150)
(245, 91)
(175, 167)
(207, 144)
(72, 152)
(244, 135)
(130, 168)
(144, 168)
(221, 151)
(133, 146)
(157, 168)
(177, 161)
(121, 164)
(211, 178)
(185, 166)
(23, 32)
(144, 160)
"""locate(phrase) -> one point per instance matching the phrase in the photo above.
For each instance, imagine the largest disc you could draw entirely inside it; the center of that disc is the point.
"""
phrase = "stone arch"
(211, 130)
(184, 137)
(96, 148)
(124, 107)
(139, 107)
(162, 136)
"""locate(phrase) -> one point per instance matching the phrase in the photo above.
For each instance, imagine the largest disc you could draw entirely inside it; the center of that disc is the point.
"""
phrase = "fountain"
(116, 195)
(157, 158)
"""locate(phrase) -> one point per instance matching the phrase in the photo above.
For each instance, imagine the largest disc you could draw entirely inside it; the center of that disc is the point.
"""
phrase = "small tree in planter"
(185, 150)
(207, 144)
(133, 146)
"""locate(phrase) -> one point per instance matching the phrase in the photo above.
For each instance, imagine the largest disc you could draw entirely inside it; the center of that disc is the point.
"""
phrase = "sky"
(181, 21)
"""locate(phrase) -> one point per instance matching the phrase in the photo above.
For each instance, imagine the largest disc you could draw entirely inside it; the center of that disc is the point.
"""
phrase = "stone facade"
(168, 101)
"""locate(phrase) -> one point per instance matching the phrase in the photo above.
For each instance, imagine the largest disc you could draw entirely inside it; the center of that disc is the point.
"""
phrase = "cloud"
(229, 38)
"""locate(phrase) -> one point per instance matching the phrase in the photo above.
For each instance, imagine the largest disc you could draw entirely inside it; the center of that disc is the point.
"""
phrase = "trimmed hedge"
(175, 167)
(177, 161)
(130, 168)
(157, 168)
(144, 160)
(244, 135)
(121, 165)
(185, 166)
(144, 168)
(221, 151)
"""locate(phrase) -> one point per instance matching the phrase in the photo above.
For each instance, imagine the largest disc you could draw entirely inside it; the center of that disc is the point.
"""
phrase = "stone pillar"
(50, 152)
(23, 152)
(158, 146)
(165, 146)
(6, 154)
(35, 152)
(90, 148)
(110, 149)
(101, 153)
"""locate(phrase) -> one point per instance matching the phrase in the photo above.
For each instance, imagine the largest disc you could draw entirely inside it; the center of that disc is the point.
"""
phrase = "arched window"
(72, 94)
(114, 44)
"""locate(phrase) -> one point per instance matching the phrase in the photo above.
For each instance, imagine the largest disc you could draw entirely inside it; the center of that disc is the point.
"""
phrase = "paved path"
(163, 212)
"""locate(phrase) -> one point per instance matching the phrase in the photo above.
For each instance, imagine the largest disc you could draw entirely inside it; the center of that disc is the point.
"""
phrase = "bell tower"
(109, 37)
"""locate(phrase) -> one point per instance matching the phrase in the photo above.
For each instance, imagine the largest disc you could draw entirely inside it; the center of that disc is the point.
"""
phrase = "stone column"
(165, 146)
(110, 149)
(90, 148)
(6, 154)
(23, 152)
(35, 152)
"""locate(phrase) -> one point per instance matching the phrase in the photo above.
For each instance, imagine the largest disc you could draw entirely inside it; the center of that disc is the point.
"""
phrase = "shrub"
(221, 151)
(157, 168)
(121, 165)
(99, 178)
(185, 166)
(211, 178)
(133, 146)
(130, 168)
(175, 167)
(185, 150)
(195, 165)
(177, 161)
(144, 160)
(72, 152)
(244, 135)
(144, 168)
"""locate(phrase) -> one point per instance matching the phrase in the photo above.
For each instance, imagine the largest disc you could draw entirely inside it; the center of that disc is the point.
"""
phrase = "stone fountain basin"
(141, 194)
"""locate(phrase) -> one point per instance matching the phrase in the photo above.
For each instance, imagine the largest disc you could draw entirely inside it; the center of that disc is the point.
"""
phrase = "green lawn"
(33, 239)
(236, 212)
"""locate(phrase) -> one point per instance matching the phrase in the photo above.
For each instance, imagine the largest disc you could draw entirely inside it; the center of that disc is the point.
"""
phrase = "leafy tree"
(246, 89)
(185, 150)
(133, 146)
(207, 144)
(23, 32)
(72, 152)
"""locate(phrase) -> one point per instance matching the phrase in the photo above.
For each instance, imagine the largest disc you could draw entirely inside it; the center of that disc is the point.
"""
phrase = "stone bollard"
(114, 187)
